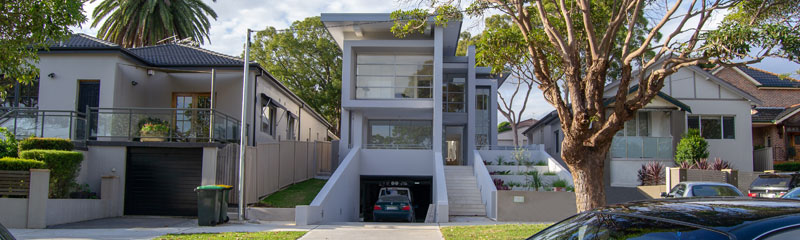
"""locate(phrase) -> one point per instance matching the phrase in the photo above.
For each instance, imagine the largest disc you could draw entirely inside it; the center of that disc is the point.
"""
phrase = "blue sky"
(235, 16)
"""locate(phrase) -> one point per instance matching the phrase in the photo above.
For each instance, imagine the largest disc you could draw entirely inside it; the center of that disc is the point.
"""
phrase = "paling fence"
(272, 166)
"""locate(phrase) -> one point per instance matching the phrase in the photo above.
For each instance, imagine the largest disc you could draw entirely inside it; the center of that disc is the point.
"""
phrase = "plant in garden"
(8, 145)
(788, 167)
(651, 173)
(549, 173)
(536, 180)
(486, 163)
(64, 167)
(46, 144)
(691, 148)
(702, 164)
(19, 164)
(720, 164)
(498, 183)
(686, 165)
(541, 163)
(154, 129)
(500, 160)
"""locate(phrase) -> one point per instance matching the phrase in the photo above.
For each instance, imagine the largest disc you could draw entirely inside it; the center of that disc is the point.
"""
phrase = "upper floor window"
(713, 126)
(384, 76)
(453, 93)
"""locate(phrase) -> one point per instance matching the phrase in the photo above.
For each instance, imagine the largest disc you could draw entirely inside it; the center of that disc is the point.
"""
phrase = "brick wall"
(770, 97)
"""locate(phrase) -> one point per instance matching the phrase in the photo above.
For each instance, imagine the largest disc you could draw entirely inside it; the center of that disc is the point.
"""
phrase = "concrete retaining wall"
(61, 211)
(535, 206)
(14, 212)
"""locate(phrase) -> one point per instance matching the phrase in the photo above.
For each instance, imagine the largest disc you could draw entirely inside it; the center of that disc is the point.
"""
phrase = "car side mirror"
(664, 194)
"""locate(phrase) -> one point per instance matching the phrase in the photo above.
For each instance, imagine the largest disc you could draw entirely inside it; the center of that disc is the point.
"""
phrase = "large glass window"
(453, 93)
(647, 135)
(400, 134)
(713, 126)
(382, 76)
(482, 121)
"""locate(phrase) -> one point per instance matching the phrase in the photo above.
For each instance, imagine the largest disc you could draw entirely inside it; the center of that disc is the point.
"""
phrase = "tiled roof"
(83, 41)
(768, 79)
(182, 55)
(767, 114)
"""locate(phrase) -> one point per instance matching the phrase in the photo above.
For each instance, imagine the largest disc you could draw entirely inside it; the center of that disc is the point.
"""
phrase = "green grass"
(301, 193)
(284, 235)
(549, 173)
(505, 231)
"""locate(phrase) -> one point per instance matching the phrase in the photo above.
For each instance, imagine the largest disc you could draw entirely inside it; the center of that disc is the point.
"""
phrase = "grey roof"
(553, 115)
(182, 55)
(767, 114)
(767, 79)
(84, 41)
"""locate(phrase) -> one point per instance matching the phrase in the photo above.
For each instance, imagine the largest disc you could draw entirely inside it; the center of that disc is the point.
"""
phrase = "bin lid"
(224, 186)
(210, 187)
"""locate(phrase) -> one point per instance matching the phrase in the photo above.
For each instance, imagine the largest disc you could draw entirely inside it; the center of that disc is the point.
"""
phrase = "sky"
(227, 33)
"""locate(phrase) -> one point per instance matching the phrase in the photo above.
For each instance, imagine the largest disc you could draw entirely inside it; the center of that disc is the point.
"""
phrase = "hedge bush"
(46, 144)
(64, 167)
(691, 148)
(8, 145)
(787, 166)
(19, 164)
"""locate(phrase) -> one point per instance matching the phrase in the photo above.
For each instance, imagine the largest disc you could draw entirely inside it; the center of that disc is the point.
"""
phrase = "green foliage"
(150, 128)
(549, 173)
(19, 164)
(787, 167)
(152, 120)
(64, 167)
(561, 183)
(500, 160)
(541, 163)
(301, 193)
(307, 60)
(8, 145)
(138, 23)
(503, 126)
(46, 144)
(691, 148)
(26, 27)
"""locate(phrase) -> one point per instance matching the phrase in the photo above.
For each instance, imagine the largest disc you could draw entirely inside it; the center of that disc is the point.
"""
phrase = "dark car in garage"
(394, 204)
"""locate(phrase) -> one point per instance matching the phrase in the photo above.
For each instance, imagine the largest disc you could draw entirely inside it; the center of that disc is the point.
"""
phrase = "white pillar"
(438, 79)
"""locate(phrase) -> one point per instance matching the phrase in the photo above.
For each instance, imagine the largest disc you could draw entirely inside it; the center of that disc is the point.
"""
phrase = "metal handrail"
(196, 131)
(40, 116)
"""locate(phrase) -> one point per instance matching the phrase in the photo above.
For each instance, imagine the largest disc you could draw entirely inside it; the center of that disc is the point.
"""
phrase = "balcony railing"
(641, 147)
(27, 122)
(164, 124)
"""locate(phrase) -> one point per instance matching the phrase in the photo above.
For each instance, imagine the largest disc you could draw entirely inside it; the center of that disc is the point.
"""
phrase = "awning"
(277, 104)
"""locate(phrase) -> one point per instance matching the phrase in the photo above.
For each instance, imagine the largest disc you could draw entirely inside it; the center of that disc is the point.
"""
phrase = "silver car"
(702, 189)
(793, 194)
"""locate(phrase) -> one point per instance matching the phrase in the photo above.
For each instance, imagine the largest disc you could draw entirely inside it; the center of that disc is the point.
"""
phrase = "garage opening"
(420, 187)
(161, 181)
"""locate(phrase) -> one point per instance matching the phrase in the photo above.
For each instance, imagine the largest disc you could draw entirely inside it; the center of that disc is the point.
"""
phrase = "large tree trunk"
(587, 167)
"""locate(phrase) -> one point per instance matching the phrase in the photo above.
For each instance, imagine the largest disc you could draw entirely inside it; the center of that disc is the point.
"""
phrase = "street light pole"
(243, 128)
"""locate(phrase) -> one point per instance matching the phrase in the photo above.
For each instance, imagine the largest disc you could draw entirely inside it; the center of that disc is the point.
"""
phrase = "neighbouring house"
(690, 98)
(776, 122)
(157, 116)
(506, 138)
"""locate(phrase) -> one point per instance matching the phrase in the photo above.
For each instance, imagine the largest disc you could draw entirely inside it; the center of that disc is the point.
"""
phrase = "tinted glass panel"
(729, 127)
(407, 134)
(789, 234)
(693, 122)
(607, 226)
(710, 127)
(713, 190)
(772, 181)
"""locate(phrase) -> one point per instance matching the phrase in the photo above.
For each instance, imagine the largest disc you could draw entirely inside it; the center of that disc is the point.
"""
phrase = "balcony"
(125, 124)
(641, 147)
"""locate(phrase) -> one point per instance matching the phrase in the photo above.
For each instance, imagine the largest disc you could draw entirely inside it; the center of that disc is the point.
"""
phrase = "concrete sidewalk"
(378, 231)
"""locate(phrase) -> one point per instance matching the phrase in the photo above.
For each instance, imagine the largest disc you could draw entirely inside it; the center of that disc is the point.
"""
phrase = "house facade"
(690, 98)
(157, 116)
(506, 138)
(776, 122)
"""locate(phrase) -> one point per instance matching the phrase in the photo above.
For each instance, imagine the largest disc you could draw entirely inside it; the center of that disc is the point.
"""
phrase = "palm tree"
(136, 23)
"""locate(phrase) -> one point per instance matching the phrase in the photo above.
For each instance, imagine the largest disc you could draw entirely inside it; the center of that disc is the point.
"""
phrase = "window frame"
(394, 75)
(270, 117)
(720, 117)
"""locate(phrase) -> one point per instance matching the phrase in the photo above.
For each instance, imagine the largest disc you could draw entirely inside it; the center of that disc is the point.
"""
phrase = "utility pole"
(243, 128)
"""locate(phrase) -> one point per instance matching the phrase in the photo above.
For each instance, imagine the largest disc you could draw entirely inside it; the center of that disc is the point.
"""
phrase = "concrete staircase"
(462, 192)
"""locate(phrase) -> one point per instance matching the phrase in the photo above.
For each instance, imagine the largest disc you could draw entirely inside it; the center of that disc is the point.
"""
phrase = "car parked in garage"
(683, 218)
(773, 185)
(394, 204)
(702, 189)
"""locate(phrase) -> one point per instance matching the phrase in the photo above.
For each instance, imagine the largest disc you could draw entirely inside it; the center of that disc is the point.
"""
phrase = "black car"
(773, 185)
(686, 218)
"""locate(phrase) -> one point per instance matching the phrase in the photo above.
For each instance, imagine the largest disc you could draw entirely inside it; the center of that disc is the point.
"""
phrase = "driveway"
(391, 231)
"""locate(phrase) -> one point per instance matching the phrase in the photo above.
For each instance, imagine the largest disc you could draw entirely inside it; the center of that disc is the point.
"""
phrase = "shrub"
(561, 183)
(702, 164)
(787, 167)
(19, 164)
(691, 148)
(541, 163)
(549, 173)
(8, 146)
(498, 183)
(720, 164)
(63, 165)
(46, 144)
(651, 173)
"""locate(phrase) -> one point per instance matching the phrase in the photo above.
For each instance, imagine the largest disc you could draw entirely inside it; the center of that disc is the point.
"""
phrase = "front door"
(88, 96)
(191, 122)
(453, 145)
(794, 141)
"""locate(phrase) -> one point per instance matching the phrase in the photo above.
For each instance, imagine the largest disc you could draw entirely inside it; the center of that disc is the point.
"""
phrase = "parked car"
(773, 185)
(5, 234)
(394, 203)
(702, 189)
(683, 218)
(793, 194)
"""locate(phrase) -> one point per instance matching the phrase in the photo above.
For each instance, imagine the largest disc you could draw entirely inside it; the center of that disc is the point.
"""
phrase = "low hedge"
(64, 167)
(787, 166)
(46, 144)
(19, 164)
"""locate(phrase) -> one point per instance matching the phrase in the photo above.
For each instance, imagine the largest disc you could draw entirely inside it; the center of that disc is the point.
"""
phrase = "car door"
(678, 191)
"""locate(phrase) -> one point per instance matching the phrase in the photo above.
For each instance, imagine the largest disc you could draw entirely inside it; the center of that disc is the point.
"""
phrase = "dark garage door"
(420, 187)
(161, 181)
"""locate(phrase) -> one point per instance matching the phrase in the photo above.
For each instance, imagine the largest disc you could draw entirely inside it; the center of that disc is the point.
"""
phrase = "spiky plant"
(686, 165)
(651, 173)
(720, 164)
(702, 164)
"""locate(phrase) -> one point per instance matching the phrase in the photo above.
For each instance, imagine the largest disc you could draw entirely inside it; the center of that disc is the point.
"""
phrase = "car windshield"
(713, 190)
(613, 226)
(772, 181)
(394, 191)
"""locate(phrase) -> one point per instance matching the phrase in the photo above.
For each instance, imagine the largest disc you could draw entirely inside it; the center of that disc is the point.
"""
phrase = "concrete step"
(467, 206)
(464, 201)
(472, 182)
(467, 213)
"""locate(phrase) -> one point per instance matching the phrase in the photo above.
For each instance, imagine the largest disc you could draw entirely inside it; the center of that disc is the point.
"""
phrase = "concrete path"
(350, 231)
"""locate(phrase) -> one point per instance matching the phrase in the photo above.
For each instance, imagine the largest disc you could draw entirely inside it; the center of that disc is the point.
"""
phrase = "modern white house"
(506, 138)
(690, 98)
(102, 95)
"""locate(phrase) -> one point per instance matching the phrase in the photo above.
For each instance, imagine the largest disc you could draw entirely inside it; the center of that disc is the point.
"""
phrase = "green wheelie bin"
(208, 204)
(223, 203)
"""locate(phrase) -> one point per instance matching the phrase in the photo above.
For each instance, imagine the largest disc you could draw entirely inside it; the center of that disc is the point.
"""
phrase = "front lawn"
(301, 193)
(285, 235)
(504, 231)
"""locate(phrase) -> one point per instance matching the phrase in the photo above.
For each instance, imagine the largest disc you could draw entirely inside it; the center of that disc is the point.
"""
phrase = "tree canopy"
(137, 23)
(307, 60)
(29, 26)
